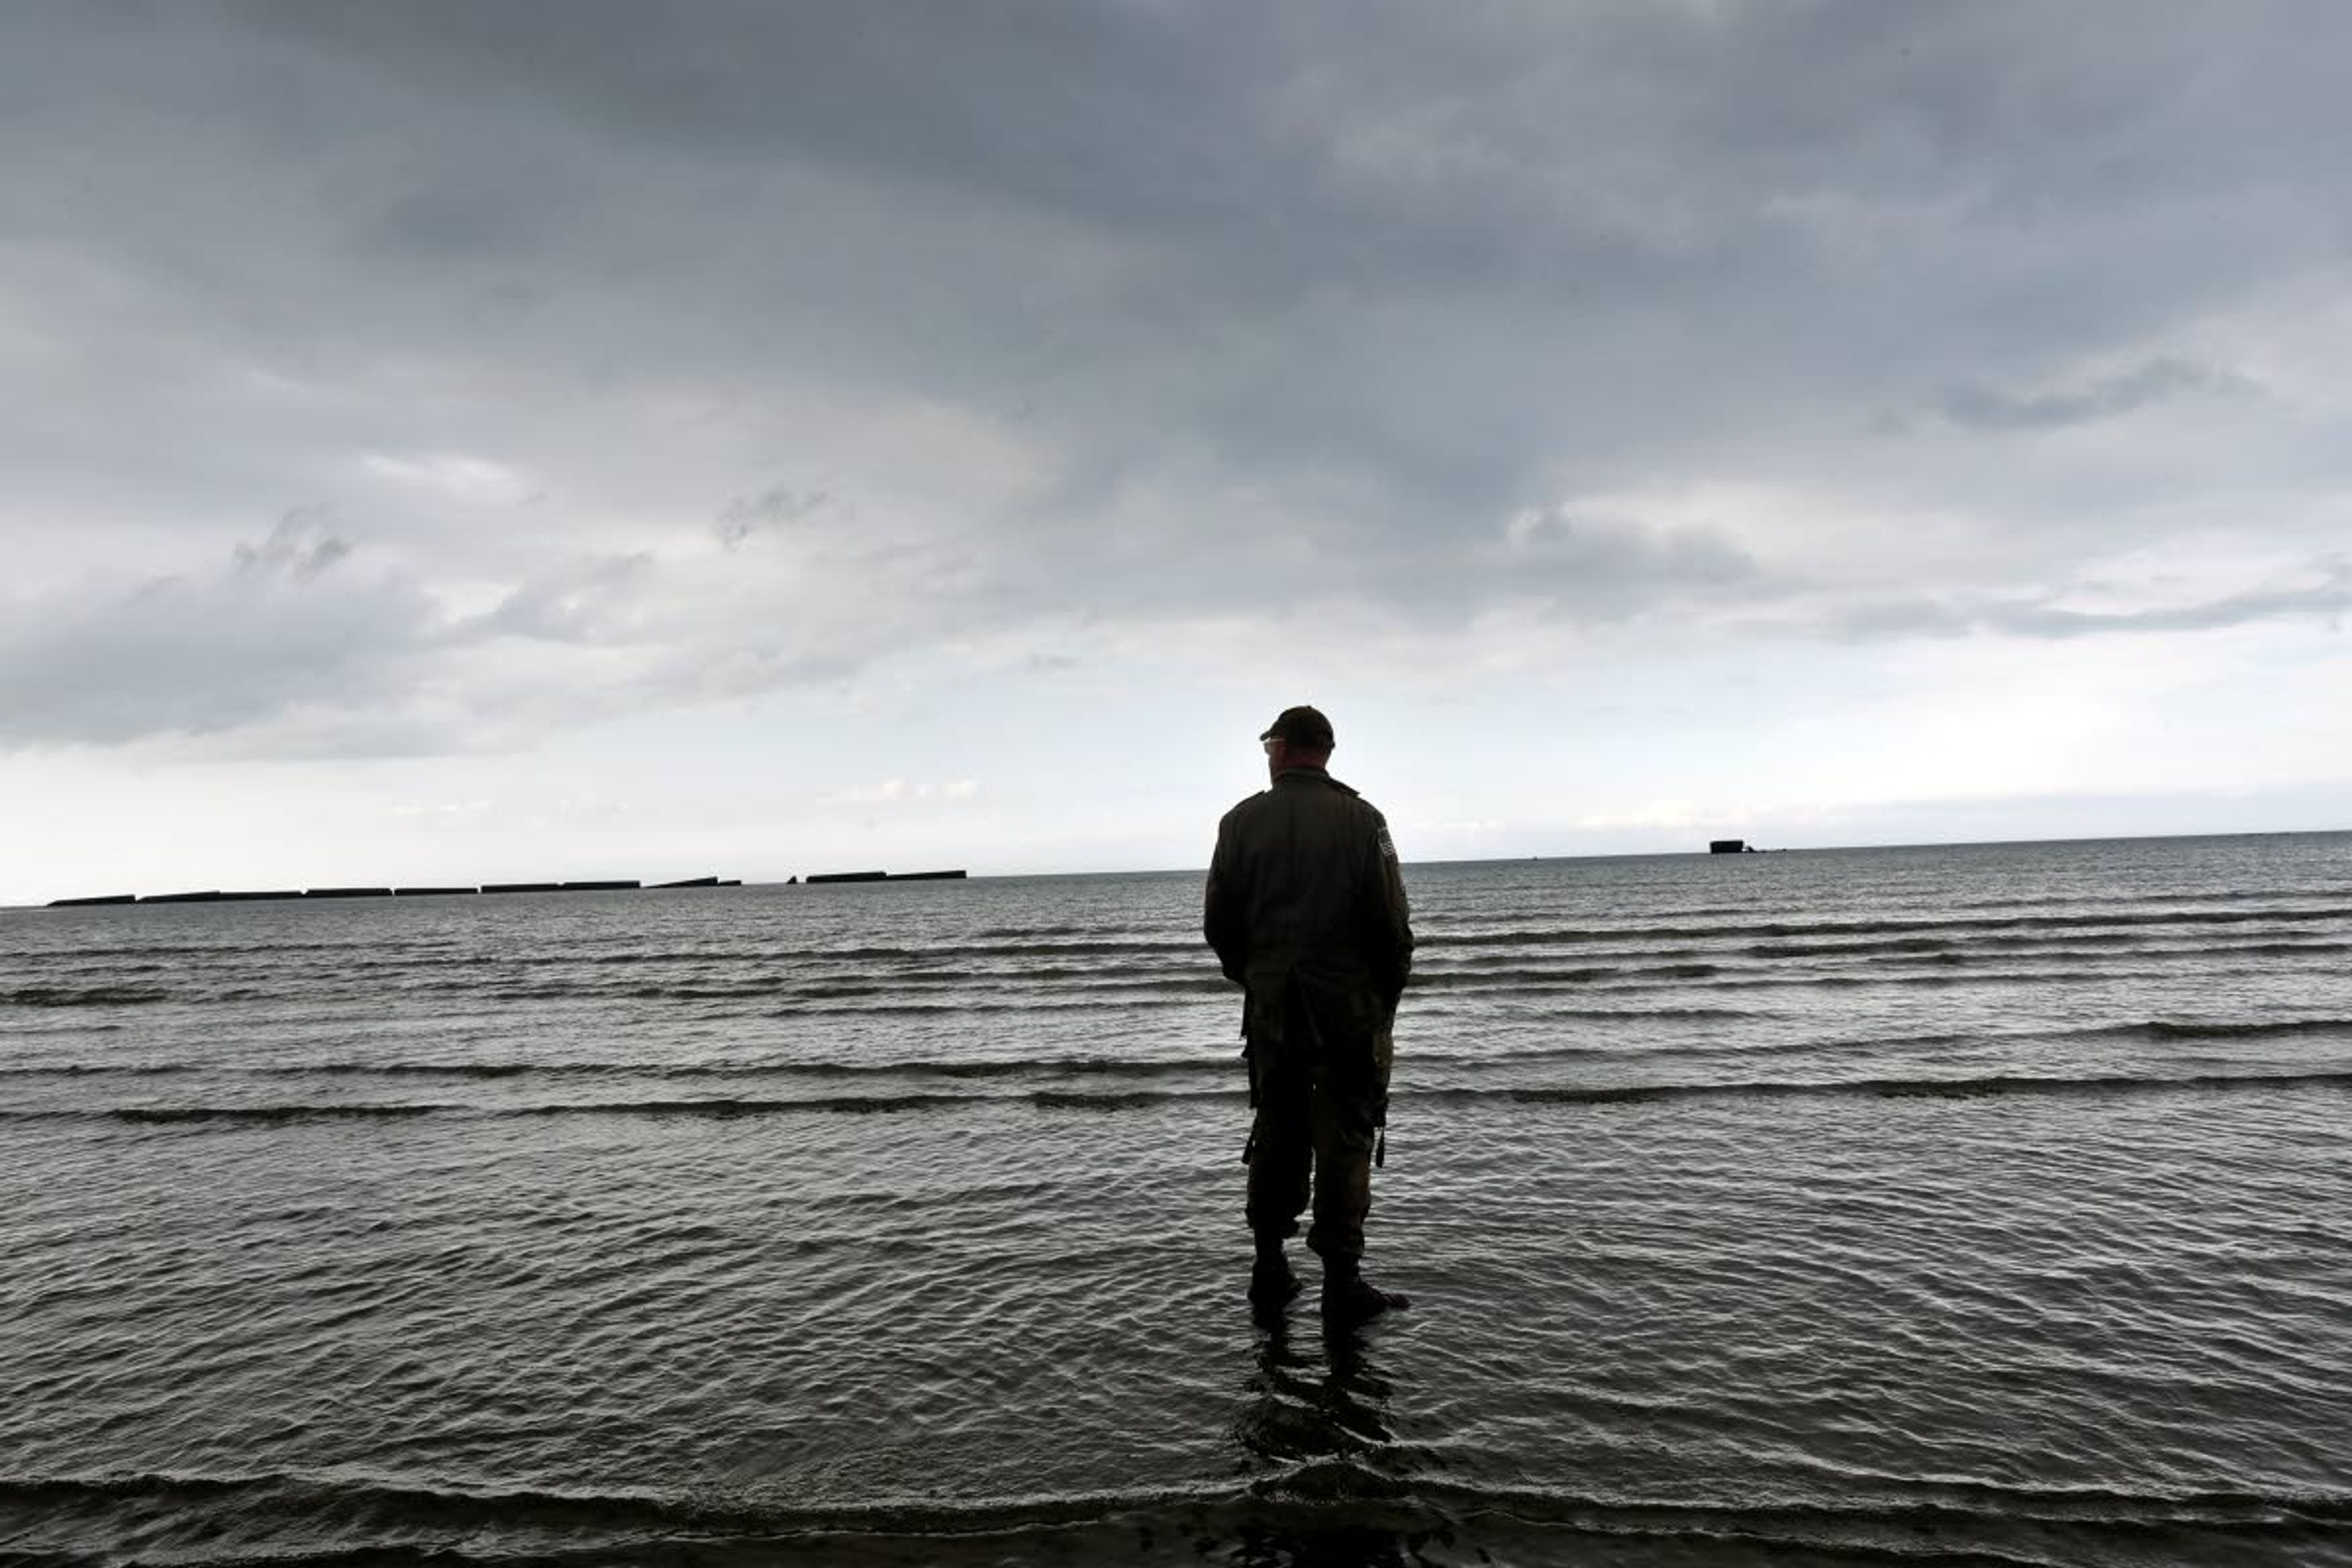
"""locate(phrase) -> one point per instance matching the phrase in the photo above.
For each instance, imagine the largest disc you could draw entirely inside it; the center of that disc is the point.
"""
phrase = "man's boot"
(1350, 1298)
(1271, 1281)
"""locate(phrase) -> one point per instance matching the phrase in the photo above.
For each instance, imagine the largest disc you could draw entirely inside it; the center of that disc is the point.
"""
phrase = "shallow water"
(1962, 1205)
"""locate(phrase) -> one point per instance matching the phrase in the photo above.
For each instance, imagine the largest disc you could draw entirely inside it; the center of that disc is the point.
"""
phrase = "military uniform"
(1306, 909)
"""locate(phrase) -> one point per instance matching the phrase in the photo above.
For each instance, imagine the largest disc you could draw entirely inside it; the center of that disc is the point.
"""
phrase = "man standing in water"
(1307, 910)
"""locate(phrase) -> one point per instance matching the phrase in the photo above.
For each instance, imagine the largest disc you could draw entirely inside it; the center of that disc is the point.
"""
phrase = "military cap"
(1303, 727)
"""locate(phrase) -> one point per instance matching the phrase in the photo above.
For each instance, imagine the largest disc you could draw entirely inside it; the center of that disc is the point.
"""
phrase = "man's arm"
(1224, 918)
(1388, 926)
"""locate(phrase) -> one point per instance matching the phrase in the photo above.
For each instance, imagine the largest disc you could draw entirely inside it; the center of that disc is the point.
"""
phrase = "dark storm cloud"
(1438, 230)
(1413, 267)
(1368, 302)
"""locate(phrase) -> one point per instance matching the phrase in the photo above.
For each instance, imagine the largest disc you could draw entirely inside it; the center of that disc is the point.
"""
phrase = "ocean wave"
(367, 1110)
(105, 1070)
(1890, 925)
(1944, 975)
(82, 996)
(373, 954)
(1969, 1088)
(1471, 979)
(1142, 1067)
(2156, 1030)
(2134, 900)
(1503, 979)
(839, 1105)
(994, 1005)
(2225, 1029)
(1057, 990)
(1640, 1014)
(1078, 1100)
(1525, 961)
(1957, 1088)
(1216, 1060)
(1130, 947)
(1327, 1510)
(237, 942)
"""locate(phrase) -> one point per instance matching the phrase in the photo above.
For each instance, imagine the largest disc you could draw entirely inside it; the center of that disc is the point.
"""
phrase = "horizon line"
(804, 879)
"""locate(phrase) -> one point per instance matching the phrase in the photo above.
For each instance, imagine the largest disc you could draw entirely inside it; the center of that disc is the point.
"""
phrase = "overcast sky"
(459, 441)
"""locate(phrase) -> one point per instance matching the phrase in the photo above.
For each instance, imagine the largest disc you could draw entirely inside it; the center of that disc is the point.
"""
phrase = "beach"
(1968, 1204)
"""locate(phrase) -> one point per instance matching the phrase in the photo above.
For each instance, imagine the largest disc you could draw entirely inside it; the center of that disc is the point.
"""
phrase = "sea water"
(1981, 1204)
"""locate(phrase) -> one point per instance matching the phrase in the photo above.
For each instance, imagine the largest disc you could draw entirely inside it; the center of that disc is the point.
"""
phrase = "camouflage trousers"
(1318, 1105)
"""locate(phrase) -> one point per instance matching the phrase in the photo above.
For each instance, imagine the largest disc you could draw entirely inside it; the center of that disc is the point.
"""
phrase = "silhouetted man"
(1305, 910)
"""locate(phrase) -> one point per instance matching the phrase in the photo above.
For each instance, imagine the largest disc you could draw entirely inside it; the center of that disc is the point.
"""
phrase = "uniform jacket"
(1304, 892)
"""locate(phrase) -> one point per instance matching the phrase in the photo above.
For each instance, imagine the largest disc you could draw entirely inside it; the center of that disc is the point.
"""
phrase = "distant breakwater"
(265, 895)
(887, 875)
(603, 885)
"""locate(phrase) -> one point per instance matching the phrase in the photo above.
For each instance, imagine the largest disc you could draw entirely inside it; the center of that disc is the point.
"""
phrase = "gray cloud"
(267, 634)
(778, 507)
(2326, 594)
(1614, 559)
(299, 547)
(2159, 380)
(277, 642)
(595, 601)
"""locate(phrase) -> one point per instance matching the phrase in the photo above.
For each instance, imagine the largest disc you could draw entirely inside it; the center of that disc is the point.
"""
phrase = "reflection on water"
(1316, 1401)
(1316, 1409)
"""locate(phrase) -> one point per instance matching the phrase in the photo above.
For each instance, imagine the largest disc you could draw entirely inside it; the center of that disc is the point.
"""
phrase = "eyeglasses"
(1271, 743)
